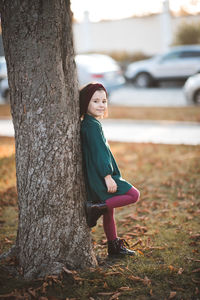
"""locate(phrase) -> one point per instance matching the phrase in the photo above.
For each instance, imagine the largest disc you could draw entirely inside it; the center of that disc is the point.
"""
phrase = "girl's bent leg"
(117, 246)
(130, 197)
(109, 225)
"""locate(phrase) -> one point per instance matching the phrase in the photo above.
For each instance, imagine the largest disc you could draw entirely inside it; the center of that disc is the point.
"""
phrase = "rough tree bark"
(52, 231)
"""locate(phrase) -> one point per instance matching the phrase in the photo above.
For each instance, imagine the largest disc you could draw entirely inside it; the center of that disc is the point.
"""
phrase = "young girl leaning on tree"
(105, 187)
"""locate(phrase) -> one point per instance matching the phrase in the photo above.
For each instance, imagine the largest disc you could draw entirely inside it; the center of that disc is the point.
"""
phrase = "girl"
(105, 187)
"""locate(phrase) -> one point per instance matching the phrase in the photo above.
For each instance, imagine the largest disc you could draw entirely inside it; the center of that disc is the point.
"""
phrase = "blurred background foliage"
(187, 33)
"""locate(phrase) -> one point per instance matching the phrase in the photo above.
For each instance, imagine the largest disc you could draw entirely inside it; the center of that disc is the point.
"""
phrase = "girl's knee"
(135, 194)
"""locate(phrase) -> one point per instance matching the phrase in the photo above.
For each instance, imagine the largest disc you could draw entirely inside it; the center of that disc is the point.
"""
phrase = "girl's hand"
(111, 184)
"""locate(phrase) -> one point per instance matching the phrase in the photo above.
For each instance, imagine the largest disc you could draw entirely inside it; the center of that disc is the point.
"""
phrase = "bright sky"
(118, 9)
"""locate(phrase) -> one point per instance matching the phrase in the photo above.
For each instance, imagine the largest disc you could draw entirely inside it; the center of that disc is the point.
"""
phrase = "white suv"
(177, 64)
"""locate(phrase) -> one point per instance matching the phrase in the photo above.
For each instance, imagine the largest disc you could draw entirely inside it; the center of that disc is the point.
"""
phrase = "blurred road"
(158, 132)
(6, 128)
(162, 96)
(167, 95)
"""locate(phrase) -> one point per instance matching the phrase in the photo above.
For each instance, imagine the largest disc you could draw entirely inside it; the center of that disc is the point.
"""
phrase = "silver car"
(3, 68)
(4, 90)
(177, 64)
(99, 68)
(192, 90)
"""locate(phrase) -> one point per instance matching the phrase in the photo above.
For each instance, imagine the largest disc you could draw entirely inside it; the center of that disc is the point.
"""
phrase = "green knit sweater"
(98, 162)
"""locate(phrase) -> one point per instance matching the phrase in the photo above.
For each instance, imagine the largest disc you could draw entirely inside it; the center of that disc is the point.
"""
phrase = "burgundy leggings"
(109, 225)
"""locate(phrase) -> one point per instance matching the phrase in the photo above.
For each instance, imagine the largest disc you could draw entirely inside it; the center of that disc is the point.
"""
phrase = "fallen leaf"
(140, 252)
(195, 236)
(77, 278)
(195, 251)
(172, 269)
(104, 241)
(136, 243)
(122, 270)
(135, 278)
(178, 288)
(193, 259)
(156, 248)
(129, 234)
(195, 281)
(193, 243)
(196, 270)
(180, 271)
(125, 288)
(172, 295)
(112, 273)
(146, 280)
(115, 296)
(69, 271)
(105, 293)
(7, 241)
(53, 278)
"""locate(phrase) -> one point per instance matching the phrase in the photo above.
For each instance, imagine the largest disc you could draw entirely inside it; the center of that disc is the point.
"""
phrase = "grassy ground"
(163, 227)
(189, 114)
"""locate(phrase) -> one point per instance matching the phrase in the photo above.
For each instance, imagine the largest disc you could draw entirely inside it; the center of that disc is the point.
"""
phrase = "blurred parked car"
(100, 68)
(177, 64)
(4, 90)
(90, 68)
(192, 89)
(3, 68)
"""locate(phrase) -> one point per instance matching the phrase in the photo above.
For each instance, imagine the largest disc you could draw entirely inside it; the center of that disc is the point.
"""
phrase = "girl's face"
(98, 104)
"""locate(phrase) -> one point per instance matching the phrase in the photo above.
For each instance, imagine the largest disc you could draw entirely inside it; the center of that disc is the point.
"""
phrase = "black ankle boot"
(94, 212)
(117, 247)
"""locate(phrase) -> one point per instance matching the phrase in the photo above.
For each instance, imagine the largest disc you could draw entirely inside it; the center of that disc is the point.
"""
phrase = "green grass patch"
(163, 227)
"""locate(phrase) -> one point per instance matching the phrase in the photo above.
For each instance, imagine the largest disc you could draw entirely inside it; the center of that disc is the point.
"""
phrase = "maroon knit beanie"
(86, 94)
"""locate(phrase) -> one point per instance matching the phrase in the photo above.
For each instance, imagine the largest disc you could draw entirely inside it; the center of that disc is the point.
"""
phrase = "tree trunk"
(52, 230)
